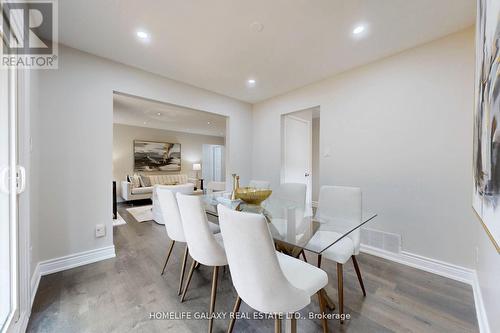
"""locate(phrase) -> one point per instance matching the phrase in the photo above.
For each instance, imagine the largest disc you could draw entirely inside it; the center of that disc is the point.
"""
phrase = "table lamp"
(197, 168)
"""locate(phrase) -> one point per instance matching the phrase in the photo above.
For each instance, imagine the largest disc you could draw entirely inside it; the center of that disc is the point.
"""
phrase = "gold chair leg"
(168, 256)
(328, 301)
(183, 269)
(293, 324)
(190, 275)
(340, 289)
(212, 298)
(277, 324)
(322, 310)
(303, 255)
(233, 318)
(358, 273)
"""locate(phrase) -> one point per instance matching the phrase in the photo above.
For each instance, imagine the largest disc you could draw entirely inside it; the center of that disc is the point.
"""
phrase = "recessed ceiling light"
(251, 82)
(145, 122)
(359, 29)
(208, 122)
(159, 113)
(256, 26)
(143, 35)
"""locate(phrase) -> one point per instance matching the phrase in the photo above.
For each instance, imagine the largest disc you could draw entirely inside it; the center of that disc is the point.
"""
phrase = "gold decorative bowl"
(251, 195)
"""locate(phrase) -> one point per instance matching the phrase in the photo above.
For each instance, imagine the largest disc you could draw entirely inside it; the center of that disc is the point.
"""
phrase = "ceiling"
(134, 111)
(216, 44)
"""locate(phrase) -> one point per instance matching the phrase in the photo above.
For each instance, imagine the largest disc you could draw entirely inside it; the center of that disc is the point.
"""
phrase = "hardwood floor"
(118, 295)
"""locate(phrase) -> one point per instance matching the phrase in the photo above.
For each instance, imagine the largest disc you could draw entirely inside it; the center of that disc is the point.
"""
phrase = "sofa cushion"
(168, 179)
(183, 179)
(142, 190)
(156, 180)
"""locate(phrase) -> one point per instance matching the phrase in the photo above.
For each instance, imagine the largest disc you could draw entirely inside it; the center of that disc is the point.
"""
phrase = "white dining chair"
(156, 210)
(204, 247)
(259, 184)
(339, 210)
(292, 193)
(287, 195)
(167, 207)
(268, 281)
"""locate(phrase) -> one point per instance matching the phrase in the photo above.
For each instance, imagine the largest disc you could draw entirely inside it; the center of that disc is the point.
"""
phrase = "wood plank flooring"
(118, 295)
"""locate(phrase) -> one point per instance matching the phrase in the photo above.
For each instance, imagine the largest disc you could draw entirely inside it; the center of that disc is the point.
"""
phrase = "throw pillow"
(135, 180)
(145, 181)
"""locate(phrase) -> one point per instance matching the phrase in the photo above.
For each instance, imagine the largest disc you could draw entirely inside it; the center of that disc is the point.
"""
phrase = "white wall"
(401, 129)
(73, 142)
(123, 149)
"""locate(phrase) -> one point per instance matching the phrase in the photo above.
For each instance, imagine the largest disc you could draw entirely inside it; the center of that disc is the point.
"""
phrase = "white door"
(11, 181)
(297, 153)
(217, 163)
(213, 163)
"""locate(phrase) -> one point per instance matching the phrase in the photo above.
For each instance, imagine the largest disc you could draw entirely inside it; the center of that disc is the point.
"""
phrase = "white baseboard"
(68, 262)
(438, 267)
(22, 324)
(75, 260)
(35, 281)
(441, 268)
(482, 318)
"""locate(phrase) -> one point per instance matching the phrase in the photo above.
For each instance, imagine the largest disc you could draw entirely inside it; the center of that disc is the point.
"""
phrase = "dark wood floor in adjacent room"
(118, 295)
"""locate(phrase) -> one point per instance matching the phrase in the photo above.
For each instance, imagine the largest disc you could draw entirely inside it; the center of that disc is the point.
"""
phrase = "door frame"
(20, 135)
(21, 207)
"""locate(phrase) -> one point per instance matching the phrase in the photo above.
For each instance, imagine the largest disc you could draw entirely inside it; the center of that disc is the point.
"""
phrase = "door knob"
(21, 179)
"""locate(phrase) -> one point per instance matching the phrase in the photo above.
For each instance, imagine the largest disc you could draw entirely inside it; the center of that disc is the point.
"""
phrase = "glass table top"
(291, 224)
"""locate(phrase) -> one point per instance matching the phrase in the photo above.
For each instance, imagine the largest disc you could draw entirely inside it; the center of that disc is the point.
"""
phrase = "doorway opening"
(160, 144)
(300, 141)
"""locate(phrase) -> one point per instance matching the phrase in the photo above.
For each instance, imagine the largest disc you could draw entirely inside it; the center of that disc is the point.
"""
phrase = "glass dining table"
(291, 225)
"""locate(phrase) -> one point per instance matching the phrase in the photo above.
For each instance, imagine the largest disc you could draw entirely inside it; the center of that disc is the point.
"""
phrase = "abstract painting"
(157, 156)
(486, 196)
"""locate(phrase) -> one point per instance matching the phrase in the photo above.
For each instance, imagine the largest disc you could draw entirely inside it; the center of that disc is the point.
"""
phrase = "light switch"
(100, 230)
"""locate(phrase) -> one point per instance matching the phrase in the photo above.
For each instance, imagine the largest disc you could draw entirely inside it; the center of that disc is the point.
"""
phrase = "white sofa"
(131, 192)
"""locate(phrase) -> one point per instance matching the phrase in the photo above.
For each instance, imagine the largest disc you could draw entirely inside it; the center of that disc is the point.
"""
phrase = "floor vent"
(382, 240)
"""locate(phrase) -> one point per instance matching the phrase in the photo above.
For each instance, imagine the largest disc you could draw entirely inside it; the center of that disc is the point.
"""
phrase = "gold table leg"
(277, 324)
